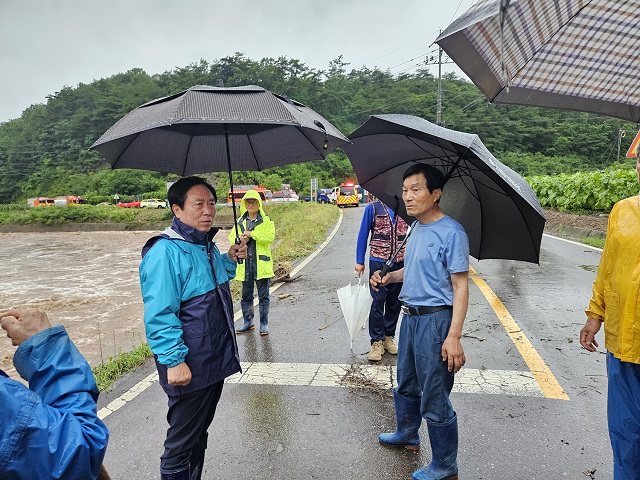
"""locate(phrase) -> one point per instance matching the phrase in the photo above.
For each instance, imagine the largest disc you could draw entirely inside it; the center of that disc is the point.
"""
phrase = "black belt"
(424, 310)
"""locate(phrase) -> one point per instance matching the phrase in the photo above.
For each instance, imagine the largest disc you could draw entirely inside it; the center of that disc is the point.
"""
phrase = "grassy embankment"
(300, 227)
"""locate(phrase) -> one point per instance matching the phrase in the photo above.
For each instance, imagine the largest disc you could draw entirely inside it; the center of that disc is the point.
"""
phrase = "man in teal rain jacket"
(188, 317)
(50, 430)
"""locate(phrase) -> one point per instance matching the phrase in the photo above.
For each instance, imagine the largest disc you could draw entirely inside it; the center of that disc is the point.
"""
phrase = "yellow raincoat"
(264, 234)
(616, 290)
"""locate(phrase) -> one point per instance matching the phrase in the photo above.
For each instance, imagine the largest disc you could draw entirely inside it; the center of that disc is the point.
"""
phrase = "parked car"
(153, 203)
(321, 197)
(279, 197)
(105, 204)
(135, 204)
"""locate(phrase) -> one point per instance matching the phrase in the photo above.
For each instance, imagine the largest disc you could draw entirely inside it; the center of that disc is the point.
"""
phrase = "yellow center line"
(541, 372)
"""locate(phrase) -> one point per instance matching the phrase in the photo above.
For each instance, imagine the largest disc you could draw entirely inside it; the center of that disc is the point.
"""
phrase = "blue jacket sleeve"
(363, 234)
(161, 281)
(52, 429)
(229, 266)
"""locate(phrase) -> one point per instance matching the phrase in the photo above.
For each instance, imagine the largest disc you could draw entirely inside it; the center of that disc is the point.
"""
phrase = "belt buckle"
(405, 309)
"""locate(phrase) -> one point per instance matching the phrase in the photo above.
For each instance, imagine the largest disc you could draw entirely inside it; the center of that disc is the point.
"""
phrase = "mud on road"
(86, 281)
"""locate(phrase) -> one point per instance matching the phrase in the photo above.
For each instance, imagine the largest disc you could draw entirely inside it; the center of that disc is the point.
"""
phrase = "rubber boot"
(264, 318)
(444, 452)
(247, 313)
(408, 421)
(181, 475)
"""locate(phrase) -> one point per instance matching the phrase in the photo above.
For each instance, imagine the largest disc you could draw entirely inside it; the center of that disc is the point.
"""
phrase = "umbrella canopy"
(575, 54)
(497, 208)
(210, 129)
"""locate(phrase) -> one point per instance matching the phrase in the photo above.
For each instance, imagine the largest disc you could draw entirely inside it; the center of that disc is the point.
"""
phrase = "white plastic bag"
(355, 301)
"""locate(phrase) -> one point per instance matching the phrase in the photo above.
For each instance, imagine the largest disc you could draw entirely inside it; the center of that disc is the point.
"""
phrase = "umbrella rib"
(186, 157)
(253, 152)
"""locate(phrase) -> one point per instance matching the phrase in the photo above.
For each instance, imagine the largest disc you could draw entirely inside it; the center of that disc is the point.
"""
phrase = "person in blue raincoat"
(50, 430)
(188, 317)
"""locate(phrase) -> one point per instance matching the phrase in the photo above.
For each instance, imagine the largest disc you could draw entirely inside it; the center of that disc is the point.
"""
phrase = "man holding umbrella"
(435, 296)
(188, 317)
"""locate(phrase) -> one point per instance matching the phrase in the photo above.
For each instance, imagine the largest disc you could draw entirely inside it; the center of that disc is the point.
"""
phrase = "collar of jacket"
(191, 234)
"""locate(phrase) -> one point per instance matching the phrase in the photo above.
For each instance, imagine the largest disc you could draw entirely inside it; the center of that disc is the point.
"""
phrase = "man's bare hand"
(237, 251)
(453, 354)
(359, 269)
(588, 334)
(179, 376)
(376, 281)
(22, 323)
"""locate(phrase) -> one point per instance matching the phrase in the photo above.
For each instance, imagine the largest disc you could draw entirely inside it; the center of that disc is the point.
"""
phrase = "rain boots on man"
(444, 452)
(264, 318)
(377, 349)
(389, 345)
(408, 421)
(247, 313)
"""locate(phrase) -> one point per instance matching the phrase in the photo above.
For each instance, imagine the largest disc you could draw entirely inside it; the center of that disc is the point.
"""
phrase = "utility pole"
(621, 134)
(439, 101)
(432, 61)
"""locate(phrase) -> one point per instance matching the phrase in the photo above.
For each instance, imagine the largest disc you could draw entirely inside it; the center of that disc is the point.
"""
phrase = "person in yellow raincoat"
(616, 303)
(258, 232)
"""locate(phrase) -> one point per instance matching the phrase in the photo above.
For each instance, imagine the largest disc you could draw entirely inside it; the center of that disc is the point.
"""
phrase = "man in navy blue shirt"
(387, 232)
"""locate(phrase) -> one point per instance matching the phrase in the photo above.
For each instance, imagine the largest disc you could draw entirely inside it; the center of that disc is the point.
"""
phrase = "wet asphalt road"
(309, 432)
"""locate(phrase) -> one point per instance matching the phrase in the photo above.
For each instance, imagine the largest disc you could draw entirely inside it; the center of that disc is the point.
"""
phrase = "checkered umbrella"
(574, 54)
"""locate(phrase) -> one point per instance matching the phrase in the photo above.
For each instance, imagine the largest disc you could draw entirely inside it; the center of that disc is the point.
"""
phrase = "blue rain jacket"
(50, 430)
(188, 310)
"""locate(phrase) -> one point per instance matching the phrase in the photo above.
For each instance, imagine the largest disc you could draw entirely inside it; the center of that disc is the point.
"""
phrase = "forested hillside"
(45, 151)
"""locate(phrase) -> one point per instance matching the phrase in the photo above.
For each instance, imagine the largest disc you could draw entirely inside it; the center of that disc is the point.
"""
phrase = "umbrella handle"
(238, 242)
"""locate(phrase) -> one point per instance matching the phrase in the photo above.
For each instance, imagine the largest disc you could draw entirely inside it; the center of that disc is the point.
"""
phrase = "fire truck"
(40, 202)
(65, 200)
(239, 191)
(344, 195)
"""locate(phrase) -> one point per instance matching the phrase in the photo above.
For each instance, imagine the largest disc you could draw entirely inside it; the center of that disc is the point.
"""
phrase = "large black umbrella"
(211, 129)
(497, 208)
(575, 54)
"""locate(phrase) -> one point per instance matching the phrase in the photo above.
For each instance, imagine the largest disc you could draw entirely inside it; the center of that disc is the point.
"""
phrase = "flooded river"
(86, 281)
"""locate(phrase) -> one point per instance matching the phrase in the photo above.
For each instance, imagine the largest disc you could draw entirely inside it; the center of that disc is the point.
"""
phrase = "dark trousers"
(189, 418)
(263, 298)
(385, 309)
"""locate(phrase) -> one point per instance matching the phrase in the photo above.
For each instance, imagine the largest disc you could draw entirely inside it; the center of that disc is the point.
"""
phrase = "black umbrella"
(497, 208)
(212, 129)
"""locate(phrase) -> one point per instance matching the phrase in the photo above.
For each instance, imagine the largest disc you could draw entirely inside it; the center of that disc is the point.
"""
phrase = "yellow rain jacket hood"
(264, 233)
(616, 290)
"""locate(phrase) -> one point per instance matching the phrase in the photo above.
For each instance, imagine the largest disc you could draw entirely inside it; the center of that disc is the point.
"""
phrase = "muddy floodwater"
(86, 281)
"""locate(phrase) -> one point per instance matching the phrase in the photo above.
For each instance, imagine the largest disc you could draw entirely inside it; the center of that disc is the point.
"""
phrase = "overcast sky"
(48, 44)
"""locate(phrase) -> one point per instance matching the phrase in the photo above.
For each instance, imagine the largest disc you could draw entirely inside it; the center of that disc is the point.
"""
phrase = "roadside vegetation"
(593, 241)
(586, 192)
(300, 227)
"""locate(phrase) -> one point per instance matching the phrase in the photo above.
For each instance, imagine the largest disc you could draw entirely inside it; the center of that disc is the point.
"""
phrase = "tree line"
(45, 151)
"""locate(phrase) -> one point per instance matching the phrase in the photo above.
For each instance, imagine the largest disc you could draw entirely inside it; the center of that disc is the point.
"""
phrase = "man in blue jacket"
(188, 317)
(50, 430)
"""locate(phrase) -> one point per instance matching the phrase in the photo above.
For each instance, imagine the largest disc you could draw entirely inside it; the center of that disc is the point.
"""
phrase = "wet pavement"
(530, 403)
